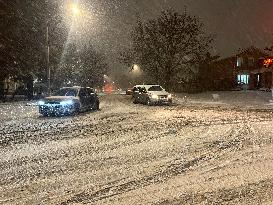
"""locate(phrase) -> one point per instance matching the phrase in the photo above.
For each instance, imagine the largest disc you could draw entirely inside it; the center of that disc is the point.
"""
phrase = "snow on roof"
(143, 85)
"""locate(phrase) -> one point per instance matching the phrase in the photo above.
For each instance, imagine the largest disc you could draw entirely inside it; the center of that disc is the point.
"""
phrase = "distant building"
(249, 69)
(224, 74)
(11, 84)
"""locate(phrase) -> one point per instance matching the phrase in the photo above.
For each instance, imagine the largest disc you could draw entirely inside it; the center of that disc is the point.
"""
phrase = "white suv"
(151, 94)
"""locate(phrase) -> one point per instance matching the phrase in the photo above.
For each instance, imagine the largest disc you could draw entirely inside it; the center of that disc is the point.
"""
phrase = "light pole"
(47, 62)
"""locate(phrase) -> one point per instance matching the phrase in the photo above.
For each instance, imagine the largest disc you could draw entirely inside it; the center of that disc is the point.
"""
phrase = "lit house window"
(268, 62)
(239, 62)
(243, 79)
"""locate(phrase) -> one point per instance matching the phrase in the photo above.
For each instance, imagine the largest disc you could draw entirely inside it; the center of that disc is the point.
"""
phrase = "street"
(135, 154)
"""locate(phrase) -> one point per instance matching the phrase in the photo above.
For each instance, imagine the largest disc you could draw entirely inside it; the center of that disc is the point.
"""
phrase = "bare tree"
(168, 45)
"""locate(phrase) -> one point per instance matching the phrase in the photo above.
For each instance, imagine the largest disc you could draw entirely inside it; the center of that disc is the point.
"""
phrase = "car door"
(91, 97)
(139, 94)
(143, 95)
(83, 98)
(135, 93)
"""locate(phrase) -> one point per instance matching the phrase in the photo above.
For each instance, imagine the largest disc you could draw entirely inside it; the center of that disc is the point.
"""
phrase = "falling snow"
(206, 148)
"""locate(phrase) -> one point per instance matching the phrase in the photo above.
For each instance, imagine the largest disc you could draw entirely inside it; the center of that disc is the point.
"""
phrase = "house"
(262, 78)
(224, 74)
(250, 68)
(16, 86)
(11, 84)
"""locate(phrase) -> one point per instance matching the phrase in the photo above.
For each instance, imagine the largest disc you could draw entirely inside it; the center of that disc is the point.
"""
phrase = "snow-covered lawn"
(235, 98)
(18, 110)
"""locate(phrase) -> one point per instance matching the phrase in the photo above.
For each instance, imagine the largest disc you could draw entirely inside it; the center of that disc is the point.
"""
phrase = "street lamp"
(135, 68)
(136, 72)
(74, 9)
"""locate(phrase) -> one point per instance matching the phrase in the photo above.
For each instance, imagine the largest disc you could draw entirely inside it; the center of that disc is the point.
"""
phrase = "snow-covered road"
(134, 154)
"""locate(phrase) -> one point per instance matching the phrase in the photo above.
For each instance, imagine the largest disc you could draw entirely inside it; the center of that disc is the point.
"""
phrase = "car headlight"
(169, 96)
(41, 102)
(67, 102)
(155, 96)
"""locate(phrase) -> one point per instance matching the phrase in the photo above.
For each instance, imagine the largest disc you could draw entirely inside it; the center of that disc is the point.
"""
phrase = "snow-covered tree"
(93, 66)
(23, 36)
(166, 45)
(84, 67)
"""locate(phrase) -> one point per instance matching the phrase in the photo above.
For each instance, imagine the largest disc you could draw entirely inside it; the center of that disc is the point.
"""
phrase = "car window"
(66, 92)
(89, 91)
(155, 88)
(143, 90)
(82, 92)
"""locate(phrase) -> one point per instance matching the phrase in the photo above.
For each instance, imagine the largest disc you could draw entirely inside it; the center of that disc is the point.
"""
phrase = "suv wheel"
(76, 109)
(97, 105)
(148, 102)
(134, 100)
(45, 114)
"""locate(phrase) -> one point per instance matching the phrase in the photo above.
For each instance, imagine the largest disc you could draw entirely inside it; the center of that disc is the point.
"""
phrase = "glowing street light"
(75, 10)
(135, 67)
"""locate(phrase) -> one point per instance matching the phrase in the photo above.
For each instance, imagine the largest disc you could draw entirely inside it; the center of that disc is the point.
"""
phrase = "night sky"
(236, 23)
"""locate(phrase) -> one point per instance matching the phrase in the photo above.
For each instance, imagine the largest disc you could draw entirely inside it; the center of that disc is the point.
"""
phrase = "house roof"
(252, 51)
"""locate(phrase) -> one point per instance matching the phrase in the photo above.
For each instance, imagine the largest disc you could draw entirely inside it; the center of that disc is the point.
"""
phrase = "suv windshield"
(66, 92)
(155, 88)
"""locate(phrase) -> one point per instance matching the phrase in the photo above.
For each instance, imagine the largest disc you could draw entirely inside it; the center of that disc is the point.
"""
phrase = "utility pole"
(47, 62)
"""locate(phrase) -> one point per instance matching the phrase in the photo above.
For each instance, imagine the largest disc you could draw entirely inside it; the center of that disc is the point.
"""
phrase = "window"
(268, 62)
(66, 92)
(143, 90)
(90, 91)
(83, 93)
(239, 62)
(243, 79)
(155, 88)
(251, 61)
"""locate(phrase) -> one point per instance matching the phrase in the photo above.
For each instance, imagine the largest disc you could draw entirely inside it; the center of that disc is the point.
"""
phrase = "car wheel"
(148, 102)
(96, 105)
(76, 109)
(45, 115)
(134, 100)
